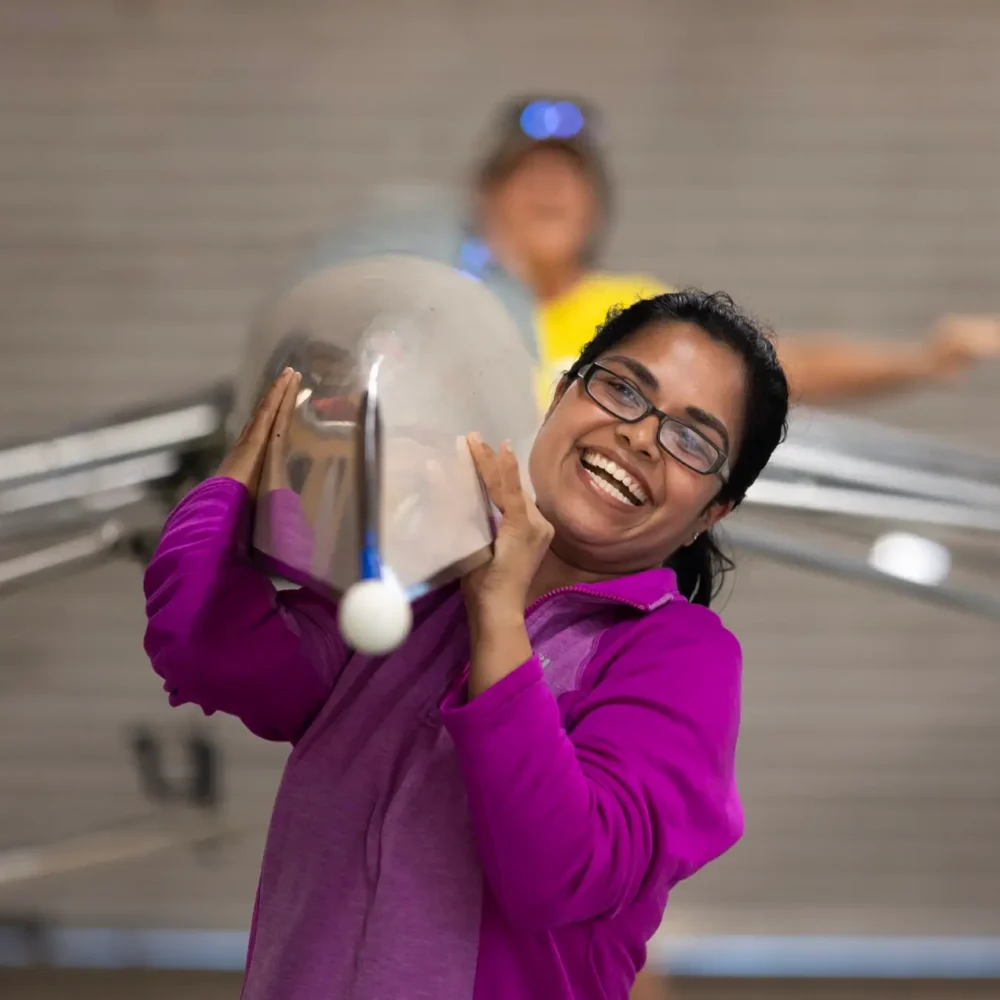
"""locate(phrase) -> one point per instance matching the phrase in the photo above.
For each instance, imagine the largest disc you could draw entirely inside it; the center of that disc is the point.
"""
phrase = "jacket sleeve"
(570, 825)
(218, 632)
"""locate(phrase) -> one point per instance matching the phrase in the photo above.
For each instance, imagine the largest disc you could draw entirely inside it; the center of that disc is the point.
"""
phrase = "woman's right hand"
(261, 440)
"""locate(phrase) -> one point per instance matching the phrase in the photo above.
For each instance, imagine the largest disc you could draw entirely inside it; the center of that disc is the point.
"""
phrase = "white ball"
(911, 557)
(375, 616)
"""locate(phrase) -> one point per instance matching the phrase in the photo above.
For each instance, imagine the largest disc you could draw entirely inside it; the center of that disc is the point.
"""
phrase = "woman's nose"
(640, 437)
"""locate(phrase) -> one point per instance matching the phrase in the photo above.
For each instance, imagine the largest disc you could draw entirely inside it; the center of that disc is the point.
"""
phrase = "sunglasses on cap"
(550, 120)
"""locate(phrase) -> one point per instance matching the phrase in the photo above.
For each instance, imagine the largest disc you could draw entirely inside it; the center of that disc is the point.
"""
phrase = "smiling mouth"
(613, 479)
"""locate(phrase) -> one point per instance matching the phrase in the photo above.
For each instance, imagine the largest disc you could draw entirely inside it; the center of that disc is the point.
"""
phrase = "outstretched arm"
(829, 369)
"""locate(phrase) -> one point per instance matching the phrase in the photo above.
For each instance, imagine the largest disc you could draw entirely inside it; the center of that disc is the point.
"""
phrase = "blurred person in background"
(543, 201)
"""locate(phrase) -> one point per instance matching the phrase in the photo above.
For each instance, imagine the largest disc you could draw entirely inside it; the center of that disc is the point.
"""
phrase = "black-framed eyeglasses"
(616, 395)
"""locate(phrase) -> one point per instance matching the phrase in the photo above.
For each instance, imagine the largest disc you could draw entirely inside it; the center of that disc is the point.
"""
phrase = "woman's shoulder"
(679, 662)
(676, 636)
(690, 622)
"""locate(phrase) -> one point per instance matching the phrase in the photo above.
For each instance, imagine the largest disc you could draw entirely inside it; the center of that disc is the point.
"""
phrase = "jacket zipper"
(538, 602)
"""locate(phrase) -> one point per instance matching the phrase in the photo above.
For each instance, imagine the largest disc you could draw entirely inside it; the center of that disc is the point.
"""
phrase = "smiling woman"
(673, 409)
(552, 749)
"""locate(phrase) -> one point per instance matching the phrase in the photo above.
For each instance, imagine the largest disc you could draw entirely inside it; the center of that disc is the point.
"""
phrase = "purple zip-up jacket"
(518, 845)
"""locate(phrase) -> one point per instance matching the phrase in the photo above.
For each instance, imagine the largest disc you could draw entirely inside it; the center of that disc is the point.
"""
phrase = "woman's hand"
(262, 440)
(959, 341)
(497, 592)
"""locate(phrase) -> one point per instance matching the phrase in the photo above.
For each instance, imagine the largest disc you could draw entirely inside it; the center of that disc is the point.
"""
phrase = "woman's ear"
(711, 516)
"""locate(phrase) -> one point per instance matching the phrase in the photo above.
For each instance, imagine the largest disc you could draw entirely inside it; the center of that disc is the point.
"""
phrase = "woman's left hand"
(499, 589)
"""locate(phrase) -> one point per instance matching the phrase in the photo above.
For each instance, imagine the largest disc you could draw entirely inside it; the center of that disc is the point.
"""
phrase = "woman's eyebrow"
(638, 369)
(700, 416)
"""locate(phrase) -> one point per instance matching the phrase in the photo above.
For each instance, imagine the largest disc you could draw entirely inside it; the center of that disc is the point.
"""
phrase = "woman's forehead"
(679, 364)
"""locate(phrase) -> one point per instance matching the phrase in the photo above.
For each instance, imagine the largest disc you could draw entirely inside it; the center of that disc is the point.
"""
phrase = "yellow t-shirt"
(566, 324)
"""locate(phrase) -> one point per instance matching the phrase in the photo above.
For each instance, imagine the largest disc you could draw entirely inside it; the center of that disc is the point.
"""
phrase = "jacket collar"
(646, 591)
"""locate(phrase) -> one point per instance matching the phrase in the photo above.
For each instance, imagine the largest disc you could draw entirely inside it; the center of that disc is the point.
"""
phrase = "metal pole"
(820, 559)
(112, 846)
(84, 550)
(805, 496)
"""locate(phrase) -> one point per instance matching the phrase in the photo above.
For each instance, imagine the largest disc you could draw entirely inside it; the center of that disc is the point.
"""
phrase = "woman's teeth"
(613, 479)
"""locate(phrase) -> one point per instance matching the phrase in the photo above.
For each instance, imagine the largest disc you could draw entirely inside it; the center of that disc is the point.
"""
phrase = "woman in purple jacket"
(500, 808)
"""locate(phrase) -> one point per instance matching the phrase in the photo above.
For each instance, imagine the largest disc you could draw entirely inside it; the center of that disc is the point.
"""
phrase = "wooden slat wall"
(164, 162)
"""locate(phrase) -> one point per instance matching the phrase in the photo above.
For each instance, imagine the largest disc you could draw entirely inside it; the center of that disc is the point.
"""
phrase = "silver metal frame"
(103, 491)
(166, 830)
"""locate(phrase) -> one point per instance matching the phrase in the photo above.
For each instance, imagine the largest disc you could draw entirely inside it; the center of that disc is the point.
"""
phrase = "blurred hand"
(501, 586)
(262, 440)
(959, 341)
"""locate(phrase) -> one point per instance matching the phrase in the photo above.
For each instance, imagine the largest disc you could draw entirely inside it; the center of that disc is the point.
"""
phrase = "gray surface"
(163, 164)
(36, 985)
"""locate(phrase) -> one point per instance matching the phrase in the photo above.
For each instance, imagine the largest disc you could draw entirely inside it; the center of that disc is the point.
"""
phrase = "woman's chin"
(585, 529)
